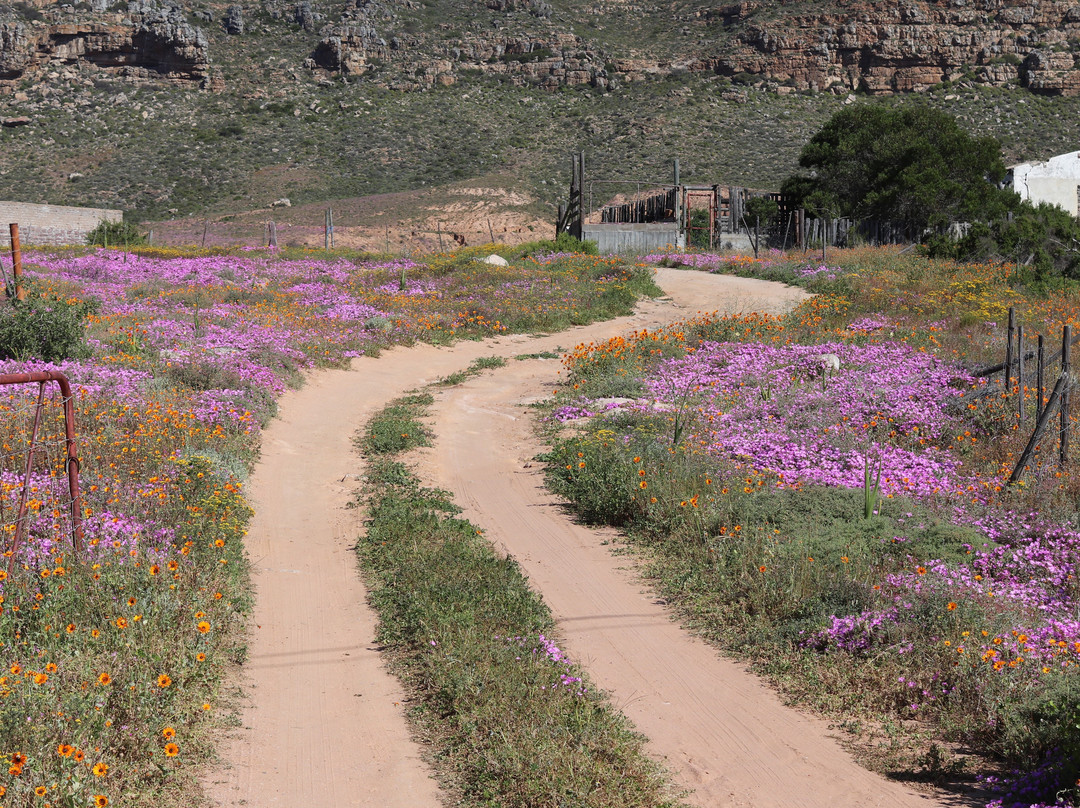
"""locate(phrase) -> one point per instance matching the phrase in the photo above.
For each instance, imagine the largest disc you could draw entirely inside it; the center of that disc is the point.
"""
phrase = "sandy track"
(324, 723)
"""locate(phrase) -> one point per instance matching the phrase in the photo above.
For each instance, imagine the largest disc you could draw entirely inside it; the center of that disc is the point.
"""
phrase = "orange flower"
(921, 570)
(171, 750)
(100, 801)
(164, 680)
(78, 756)
(121, 622)
(951, 607)
(762, 568)
(100, 769)
(168, 733)
(104, 679)
(41, 791)
(65, 750)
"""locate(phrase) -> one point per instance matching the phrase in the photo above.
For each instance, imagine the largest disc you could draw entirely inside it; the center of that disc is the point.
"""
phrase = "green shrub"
(49, 330)
(115, 234)
(564, 242)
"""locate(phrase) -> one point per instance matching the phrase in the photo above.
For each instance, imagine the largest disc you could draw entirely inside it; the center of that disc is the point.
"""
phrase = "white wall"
(1056, 181)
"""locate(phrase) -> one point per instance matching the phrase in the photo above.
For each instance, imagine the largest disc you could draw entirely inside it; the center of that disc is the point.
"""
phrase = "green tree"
(913, 166)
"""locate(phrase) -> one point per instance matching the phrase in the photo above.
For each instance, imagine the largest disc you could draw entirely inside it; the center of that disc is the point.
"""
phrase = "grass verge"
(512, 721)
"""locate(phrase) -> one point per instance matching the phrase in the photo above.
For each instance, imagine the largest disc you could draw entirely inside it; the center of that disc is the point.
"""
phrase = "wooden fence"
(1019, 376)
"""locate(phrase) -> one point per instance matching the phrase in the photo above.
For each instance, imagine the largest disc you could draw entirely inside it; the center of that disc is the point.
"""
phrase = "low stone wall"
(50, 225)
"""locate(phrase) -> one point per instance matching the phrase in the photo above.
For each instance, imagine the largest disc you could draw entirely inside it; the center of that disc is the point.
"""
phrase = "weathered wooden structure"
(645, 216)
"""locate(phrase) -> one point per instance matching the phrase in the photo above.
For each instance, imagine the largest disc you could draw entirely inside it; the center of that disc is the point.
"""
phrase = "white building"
(1056, 181)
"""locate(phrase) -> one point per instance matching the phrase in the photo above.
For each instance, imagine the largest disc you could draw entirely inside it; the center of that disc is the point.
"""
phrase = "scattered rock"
(22, 120)
(234, 21)
(284, 202)
(496, 260)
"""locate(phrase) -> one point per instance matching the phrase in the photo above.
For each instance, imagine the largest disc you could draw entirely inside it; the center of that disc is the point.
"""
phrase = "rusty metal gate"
(39, 464)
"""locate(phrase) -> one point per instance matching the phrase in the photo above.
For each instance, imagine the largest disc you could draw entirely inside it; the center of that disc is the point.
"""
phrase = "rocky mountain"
(899, 46)
(174, 106)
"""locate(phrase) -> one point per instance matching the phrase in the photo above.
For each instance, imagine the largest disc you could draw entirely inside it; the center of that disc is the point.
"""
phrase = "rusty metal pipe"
(72, 464)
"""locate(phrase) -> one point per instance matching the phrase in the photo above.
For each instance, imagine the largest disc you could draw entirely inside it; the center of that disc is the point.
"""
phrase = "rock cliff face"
(903, 46)
(909, 45)
(841, 46)
(148, 43)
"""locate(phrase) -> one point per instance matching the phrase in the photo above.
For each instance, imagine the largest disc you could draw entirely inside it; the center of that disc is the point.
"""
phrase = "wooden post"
(387, 239)
(1020, 375)
(1063, 408)
(438, 229)
(330, 214)
(1039, 370)
(271, 240)
(1040, 425)
(205, 225)
(16, 262)
(1007, 378)
(326, 229)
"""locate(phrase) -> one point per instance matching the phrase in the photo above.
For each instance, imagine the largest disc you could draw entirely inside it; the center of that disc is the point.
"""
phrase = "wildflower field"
(825, 494)
(112, 658)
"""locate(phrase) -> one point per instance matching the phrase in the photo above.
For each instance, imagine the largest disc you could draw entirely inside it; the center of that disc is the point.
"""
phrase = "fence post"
(1039, 369)
(16, 262)
(1020, 374)
(1063, 407)
(1007, 378)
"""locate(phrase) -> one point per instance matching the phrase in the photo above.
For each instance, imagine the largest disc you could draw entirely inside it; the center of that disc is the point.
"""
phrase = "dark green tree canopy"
(909, 165)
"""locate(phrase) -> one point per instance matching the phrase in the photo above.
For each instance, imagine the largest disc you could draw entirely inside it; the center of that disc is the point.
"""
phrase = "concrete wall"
(51, 224)
(631, 238)
(1056, 181)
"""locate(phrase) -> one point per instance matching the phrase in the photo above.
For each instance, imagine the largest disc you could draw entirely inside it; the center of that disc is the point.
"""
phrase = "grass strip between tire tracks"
(509, 721)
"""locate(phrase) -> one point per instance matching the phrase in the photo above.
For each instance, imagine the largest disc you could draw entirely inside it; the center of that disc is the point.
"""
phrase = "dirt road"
(325, 725)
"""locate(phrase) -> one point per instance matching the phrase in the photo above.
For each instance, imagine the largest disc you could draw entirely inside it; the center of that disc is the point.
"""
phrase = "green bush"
(1043, 240)
(564, 242)
(115, 234)
(49, 330)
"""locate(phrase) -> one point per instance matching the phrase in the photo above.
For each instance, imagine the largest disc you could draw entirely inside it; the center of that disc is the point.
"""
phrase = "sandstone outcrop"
(905, 46)
(150, 43)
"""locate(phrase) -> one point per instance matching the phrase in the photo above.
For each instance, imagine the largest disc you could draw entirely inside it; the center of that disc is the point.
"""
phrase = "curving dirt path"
(324, 723)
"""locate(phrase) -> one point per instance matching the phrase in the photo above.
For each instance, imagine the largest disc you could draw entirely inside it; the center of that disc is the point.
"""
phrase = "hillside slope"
(166, 110)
